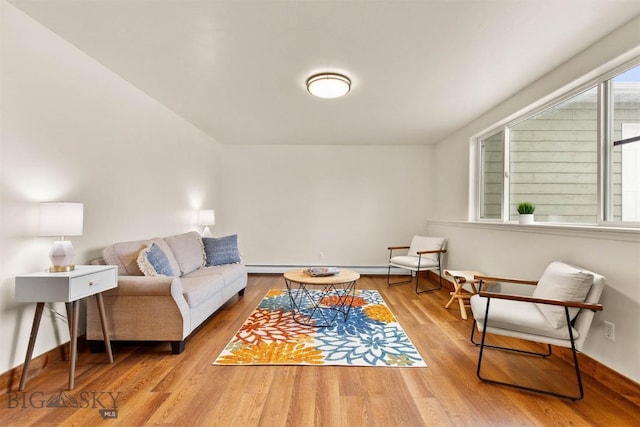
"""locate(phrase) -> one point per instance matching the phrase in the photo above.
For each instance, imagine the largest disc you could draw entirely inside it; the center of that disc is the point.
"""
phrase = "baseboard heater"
(362, 269)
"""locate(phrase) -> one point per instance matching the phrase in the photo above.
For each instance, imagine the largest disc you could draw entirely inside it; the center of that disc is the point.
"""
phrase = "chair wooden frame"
(416, 270)
(565, 304)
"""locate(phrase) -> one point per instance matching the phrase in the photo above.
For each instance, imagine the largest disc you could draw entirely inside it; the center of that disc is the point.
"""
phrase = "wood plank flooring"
(153, 387)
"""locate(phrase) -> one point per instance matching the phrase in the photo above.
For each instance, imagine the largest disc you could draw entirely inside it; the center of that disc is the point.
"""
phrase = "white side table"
(68, 287)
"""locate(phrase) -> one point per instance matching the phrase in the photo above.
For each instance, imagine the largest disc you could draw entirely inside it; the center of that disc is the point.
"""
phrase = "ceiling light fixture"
(328, 85)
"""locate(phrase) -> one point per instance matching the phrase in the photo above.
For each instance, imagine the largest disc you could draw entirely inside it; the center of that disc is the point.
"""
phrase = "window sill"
(627, 234)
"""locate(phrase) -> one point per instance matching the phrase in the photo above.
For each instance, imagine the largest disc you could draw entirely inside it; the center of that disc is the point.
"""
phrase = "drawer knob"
(90, 283)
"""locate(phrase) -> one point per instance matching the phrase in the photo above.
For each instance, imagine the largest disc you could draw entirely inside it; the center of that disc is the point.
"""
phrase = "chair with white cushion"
(424, 253)
(558, 312)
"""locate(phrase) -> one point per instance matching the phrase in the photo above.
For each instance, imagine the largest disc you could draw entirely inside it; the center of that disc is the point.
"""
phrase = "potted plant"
(526, 210)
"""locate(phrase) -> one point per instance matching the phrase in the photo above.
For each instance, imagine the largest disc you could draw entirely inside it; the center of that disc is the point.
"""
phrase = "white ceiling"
(420, 69)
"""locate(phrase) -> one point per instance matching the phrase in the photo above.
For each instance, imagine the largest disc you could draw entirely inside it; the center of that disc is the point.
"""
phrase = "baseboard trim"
(624, 386)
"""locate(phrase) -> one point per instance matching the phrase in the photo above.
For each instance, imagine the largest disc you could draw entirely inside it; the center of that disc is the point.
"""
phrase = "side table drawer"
(91, 284)
(69, 286)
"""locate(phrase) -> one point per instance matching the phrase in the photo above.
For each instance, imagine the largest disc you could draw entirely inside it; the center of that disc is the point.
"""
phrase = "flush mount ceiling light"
(328, 85)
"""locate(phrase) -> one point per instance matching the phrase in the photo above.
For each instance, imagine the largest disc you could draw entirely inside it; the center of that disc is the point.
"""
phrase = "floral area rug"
(370, 336)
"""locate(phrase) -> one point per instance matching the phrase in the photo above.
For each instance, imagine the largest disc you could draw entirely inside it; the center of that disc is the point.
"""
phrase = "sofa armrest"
(146, 286)
(142, 308)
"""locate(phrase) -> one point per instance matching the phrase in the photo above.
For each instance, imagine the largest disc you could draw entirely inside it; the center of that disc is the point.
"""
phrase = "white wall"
(72, 130)
(324, 205)
(514, 251)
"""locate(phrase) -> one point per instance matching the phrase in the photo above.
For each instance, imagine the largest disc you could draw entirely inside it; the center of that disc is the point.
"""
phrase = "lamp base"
(61, 256)
(207, 232)
(61, 268)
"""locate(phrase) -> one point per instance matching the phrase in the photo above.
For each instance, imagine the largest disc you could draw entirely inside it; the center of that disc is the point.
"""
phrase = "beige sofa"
(156, 307)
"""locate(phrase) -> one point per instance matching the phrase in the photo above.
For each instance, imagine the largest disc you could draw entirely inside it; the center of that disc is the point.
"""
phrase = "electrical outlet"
(609, 331)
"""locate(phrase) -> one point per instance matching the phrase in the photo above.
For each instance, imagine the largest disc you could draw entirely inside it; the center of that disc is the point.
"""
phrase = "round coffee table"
(318, 300)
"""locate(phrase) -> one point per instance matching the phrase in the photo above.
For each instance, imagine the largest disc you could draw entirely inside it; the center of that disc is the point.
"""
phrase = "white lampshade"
(206, 217)
(328, 85)
(61, 219)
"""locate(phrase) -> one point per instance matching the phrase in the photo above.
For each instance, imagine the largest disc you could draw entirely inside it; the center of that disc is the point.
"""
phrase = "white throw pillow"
(188, 250)
(562, 282)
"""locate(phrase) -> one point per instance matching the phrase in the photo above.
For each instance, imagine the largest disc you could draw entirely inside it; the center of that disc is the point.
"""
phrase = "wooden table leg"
(463, 311)
(453, 296)
(459, 293)
(32, 341)
(75, 314)
(456, 288)
(105, 329)
(69, 309)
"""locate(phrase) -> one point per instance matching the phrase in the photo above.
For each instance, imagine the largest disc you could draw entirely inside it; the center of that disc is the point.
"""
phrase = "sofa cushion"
(152, 261)
(221, 250)
(413, 261)
(125, 256)
(188, 250)
(562, 282)
(229, 272)
(197, 290)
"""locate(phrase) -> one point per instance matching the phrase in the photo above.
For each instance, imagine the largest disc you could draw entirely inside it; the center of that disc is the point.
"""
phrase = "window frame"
(604, 134)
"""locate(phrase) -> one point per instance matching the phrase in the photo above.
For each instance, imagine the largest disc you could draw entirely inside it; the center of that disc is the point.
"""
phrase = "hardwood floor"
(153, 387)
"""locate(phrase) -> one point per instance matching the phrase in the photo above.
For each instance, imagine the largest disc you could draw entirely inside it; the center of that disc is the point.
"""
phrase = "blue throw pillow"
(221, 250)
(154, 262)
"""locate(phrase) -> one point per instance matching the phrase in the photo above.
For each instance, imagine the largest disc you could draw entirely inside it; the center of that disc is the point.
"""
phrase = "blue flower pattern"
(359, 338)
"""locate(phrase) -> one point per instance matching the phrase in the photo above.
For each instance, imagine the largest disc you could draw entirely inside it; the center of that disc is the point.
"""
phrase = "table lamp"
(61, 219)
(206, 217)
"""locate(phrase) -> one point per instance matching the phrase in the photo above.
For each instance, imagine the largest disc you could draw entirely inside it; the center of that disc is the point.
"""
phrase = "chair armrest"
(145, 286)
(442, 251)
(392, 248)
(589, 306)
(483, 278)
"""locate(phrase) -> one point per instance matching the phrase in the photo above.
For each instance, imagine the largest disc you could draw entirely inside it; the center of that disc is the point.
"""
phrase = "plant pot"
(525, 218)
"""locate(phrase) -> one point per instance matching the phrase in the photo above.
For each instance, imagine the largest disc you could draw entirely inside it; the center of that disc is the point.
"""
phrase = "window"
(555, 158)
(624, 204)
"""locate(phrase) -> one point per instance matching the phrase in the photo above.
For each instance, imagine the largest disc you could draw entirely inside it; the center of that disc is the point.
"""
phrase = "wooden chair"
(558, 312)
(424, 253)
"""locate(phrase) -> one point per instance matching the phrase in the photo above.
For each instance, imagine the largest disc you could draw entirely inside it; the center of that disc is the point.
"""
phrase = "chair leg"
(389, 283)
(521, 387)
(422, 291)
